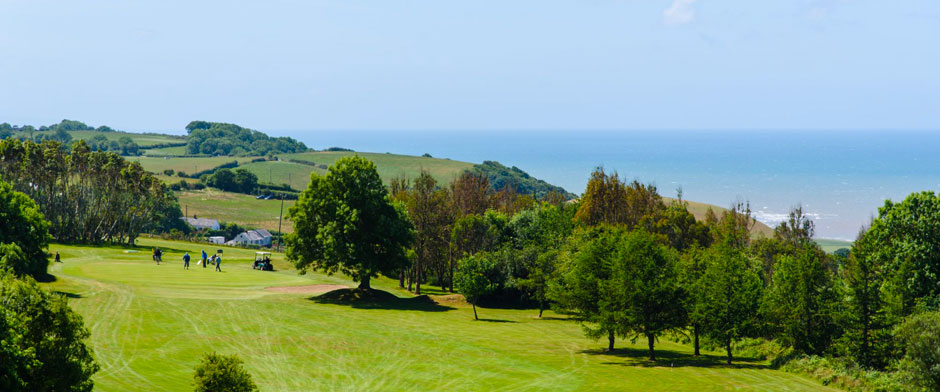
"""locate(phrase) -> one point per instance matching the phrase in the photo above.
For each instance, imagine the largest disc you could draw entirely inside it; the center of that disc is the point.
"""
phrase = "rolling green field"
(235, 208)
(149, 325)
(832, 245)
(159, 152)
(188, 165)
(142, 140)
(391, 165)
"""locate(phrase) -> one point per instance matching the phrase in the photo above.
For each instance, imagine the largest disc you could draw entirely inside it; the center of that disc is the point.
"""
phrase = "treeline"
(501, 177)
(43, 342)
(212, 138)
(625, 264)
(59, 133)
(88, 196)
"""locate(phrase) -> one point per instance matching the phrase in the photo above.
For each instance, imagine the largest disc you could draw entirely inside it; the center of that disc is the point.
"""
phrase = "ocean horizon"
(839, 177)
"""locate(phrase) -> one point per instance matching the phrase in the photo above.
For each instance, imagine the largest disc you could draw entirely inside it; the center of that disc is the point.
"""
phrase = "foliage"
(24, 233)
(905, 241)
(501, 177)
(475, 277)
(346, 222)
(124, 146)
(867, 331)
(212, 138)
(430, 211)
(87, 196)
(240, 181)
(607, 200)
(472, 193)
(802, 300)
(845, 374)
(645, 288)
(919, 335)
(222, 373)
(732, 296)
(45, 338)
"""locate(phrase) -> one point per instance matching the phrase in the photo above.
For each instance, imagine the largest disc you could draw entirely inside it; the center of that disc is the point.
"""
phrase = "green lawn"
(282, 172)
(158, 152)
(832, 245)
(149, 325)
(235, 208)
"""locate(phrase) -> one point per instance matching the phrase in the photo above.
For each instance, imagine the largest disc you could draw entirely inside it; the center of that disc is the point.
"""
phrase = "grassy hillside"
(229, 207)
(188, 165)
(391, 165)
(700, 209)
(142, 140)
(149, 324)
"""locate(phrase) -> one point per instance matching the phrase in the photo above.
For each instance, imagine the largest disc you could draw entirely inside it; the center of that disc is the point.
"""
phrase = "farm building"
(202, 223)
(217, 240)
(260, 237)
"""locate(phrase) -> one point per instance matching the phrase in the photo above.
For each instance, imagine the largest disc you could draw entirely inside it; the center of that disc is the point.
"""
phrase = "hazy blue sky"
(436, 64)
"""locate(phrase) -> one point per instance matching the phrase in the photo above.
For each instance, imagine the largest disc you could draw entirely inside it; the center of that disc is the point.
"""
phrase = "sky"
(465, 65)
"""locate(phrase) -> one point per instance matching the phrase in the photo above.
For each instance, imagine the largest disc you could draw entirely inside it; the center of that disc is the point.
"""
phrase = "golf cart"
(263, 261)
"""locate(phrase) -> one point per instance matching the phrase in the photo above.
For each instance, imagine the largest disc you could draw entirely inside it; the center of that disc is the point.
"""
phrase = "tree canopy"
(346, 222)
(222, 373)
(500, 177)
(213, 138)
(24, 234)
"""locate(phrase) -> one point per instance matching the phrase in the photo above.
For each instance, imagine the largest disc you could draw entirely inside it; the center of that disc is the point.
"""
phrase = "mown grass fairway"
(149, 324)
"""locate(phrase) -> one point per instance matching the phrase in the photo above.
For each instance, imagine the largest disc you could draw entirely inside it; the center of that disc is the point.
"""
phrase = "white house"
(260, 237)
(217, 240)
(202, 223)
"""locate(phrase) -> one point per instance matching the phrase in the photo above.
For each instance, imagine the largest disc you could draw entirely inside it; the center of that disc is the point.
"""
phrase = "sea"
(840, 178)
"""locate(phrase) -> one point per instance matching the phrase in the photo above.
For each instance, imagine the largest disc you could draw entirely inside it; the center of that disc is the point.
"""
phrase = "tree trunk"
(652, 340)
(474, 311)
(728, 347)
(695, 333)
(610, 340)
(364, 283)
(401, 279)
(541, 309)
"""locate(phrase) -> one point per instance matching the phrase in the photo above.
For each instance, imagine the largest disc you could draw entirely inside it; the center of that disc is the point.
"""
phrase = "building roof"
(263, 233)
(201, 222)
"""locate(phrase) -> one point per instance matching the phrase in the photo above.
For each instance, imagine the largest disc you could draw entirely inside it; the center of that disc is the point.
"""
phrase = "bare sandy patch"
(311, 289)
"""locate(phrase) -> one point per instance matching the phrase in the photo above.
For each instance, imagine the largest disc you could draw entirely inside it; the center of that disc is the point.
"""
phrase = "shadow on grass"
(145, 250)
(668, 358)
(67, 294)
(553, 318)
(378, 299)
(495, 320)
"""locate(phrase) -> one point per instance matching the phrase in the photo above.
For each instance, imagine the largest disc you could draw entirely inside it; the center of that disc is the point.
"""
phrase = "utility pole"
(187, 211)
(280, 235)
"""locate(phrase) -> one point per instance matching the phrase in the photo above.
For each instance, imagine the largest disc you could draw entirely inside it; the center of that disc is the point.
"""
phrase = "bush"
(23, 225)
(43, 341)
(222, 373)
(845, 374)
(168, 172)
(199, 186)
(920, 337)
(181, 174)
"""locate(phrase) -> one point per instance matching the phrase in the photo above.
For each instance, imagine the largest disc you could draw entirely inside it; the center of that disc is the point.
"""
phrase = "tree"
(920, 337)
(867, 333)
(802, 300)
(430, 212)
(646, 288)
(604, 200)
(24, 233)
(223, 179)
(692, 265)
(222, 373)
(345, 221)
(45, 336)
(905, 240)
(245, 181)
(732, 296)
(475, 278)
(472, 193)
(580, 290)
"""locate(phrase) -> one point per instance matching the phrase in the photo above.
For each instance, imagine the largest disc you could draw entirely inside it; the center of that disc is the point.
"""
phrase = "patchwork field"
(142, 140)
(150, 324)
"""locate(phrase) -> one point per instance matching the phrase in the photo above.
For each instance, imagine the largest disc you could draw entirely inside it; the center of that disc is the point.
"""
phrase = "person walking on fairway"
(218, 263)
(186, 260)
(57, 258)
(205, 258)
(158, 255)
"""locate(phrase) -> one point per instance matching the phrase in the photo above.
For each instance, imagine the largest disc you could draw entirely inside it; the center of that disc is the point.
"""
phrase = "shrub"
(181, 174)
(168, 172)
(222, 373)
(920, 337)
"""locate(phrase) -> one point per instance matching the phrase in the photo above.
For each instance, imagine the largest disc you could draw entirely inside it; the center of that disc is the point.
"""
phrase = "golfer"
(205, 258)
(186, 260)
(57, 258)
(218, 263)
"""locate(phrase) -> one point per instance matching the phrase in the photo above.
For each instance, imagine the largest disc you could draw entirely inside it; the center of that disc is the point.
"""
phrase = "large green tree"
(732, 296)
(346, 222)
(645, 287)
(475, 278)
(26, 228)
(867, 332)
